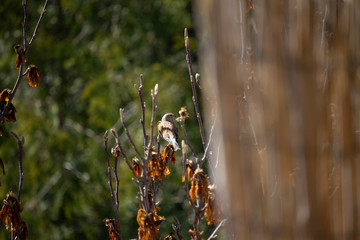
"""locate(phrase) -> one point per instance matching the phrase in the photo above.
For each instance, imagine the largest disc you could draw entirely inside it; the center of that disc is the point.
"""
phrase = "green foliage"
(90, 55)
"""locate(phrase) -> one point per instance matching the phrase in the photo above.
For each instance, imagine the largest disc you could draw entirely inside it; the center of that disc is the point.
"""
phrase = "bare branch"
(140, 92)
(25, 4)
(26, 49)
(129, 136)
(21, 173)
(38, 23)
(154, 107)
(209, 142)
(194, 98)
(118, 143)
(109, 175)
(26, 43)
(141, 182)
(117, 183)
(177, 228)
(213, 235)
(186, 177)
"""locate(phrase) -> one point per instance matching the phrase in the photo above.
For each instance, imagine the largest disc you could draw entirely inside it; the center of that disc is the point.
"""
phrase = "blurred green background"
(90, 54)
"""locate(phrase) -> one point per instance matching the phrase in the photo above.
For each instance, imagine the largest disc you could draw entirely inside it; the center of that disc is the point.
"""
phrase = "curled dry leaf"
(183, 114)
(113, 228)
(137, 167)
(149, 224)
(199, 187)
(193, 235)
(5, 97)
(10, 214)
(158, 164)
(33, 75)
(20, 58)
(168, 153)
(213, 210)
(190, 168)
(115, 151)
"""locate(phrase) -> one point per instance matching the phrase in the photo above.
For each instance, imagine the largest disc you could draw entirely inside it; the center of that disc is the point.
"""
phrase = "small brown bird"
(168, 130)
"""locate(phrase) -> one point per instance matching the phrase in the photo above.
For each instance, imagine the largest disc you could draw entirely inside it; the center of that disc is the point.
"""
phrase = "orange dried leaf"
(113, 228)
(149, 224)
(141, 217)
(199, 186)
(213, 209)
(5, 95)
(193, 235)
(33, 75)
(136, 167)
(183, 113)
(158, 164)
(6, 105)
(10, 214)
(192, 191)
(168, 153)
(167, 171)
(190, 169)
(20, 58)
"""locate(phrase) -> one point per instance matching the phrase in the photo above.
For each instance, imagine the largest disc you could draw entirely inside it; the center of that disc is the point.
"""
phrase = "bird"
(168, 130)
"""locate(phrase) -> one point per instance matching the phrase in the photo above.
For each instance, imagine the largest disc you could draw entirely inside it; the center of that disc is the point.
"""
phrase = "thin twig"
(129, 136)
(216, 229)
(158, 139)
(38, 23)
(207, 149)
(153, 200)
(25, 4)
(149, 147)
(118, 143)
(209, 142)
(26, 43)
(109, 175)
(182, 124)
(141, 182)
(154, 107)
(26, 49)
(177, 228)
(117, 183)
(194, 98)
(21, 173)
(197, 223)
(186, 177)
(140, 92)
